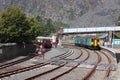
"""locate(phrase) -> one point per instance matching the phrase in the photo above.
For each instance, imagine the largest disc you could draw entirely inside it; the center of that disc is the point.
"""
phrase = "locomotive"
(88, 42)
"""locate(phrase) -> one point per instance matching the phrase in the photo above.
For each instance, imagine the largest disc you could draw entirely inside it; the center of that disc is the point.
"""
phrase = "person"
(56, 42)
(42, 51)
(36, 52)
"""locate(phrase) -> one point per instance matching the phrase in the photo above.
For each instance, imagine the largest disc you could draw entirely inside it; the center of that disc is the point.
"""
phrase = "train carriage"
(45, 41)
(88, 42)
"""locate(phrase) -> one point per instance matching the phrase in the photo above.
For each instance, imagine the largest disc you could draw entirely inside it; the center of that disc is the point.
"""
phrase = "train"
(45, 41)
(43, 44)
(87, 42)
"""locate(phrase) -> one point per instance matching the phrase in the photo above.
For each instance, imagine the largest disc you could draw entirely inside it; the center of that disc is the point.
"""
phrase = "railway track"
(59, 67)
(62, 69)
(35, 66)
(93, 71)
(105, 71)
(4, 65)
(56, 77)
(108, 68)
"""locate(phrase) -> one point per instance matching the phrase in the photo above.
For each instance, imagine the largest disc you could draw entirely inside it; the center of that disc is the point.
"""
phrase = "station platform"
(116, 52)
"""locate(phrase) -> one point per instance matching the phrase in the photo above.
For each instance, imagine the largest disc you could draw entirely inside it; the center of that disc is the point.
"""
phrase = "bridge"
(90, 30)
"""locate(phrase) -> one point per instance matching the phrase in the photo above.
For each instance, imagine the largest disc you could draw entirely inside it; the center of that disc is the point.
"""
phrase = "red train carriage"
(45, 42)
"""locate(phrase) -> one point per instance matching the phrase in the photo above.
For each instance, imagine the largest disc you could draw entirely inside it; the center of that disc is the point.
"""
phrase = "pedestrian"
(42, 51)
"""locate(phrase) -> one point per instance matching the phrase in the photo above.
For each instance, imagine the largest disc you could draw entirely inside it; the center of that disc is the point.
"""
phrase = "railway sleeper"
(105, 66)
(58, 62)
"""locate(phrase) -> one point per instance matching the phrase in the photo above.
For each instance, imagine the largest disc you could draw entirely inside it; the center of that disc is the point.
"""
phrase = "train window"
(92, 39)
(98, 40)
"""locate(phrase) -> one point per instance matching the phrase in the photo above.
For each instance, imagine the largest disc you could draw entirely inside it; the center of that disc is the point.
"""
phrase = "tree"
(118, 24)
(34, 29)
(58, 24)
(16, 27)
(50, 27)
(118, 21)
(47, 28)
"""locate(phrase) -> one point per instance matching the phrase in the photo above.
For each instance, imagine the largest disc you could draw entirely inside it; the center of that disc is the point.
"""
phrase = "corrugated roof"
(103, 36)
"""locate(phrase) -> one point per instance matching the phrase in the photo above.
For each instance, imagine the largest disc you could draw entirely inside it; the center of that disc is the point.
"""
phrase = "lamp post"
(113, 43)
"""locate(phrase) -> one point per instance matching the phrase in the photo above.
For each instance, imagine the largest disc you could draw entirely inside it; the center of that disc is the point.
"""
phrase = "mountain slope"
(76, 13)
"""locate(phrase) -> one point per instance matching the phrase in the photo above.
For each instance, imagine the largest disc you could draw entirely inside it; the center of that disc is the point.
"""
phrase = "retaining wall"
(12, 50)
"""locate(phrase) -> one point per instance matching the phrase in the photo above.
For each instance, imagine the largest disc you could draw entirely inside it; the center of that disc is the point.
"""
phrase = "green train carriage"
(88, 42)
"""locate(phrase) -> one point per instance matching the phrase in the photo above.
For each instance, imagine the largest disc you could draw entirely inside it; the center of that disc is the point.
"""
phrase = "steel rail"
(62, 55)
(43, 73)
(60, 75)
(38, 75)
(90, 73)
(5, 74)
(108, 68)
(81, 53)
(4, 65)
(46, 72)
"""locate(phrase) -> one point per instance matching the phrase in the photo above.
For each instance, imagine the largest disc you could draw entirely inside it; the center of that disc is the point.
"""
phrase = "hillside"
(76, 13)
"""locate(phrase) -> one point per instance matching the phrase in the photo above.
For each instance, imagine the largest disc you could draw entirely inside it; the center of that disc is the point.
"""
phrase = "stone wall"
(9, 51)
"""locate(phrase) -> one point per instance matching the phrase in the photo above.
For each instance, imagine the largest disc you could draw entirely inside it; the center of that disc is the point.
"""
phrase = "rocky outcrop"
(76, 13)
